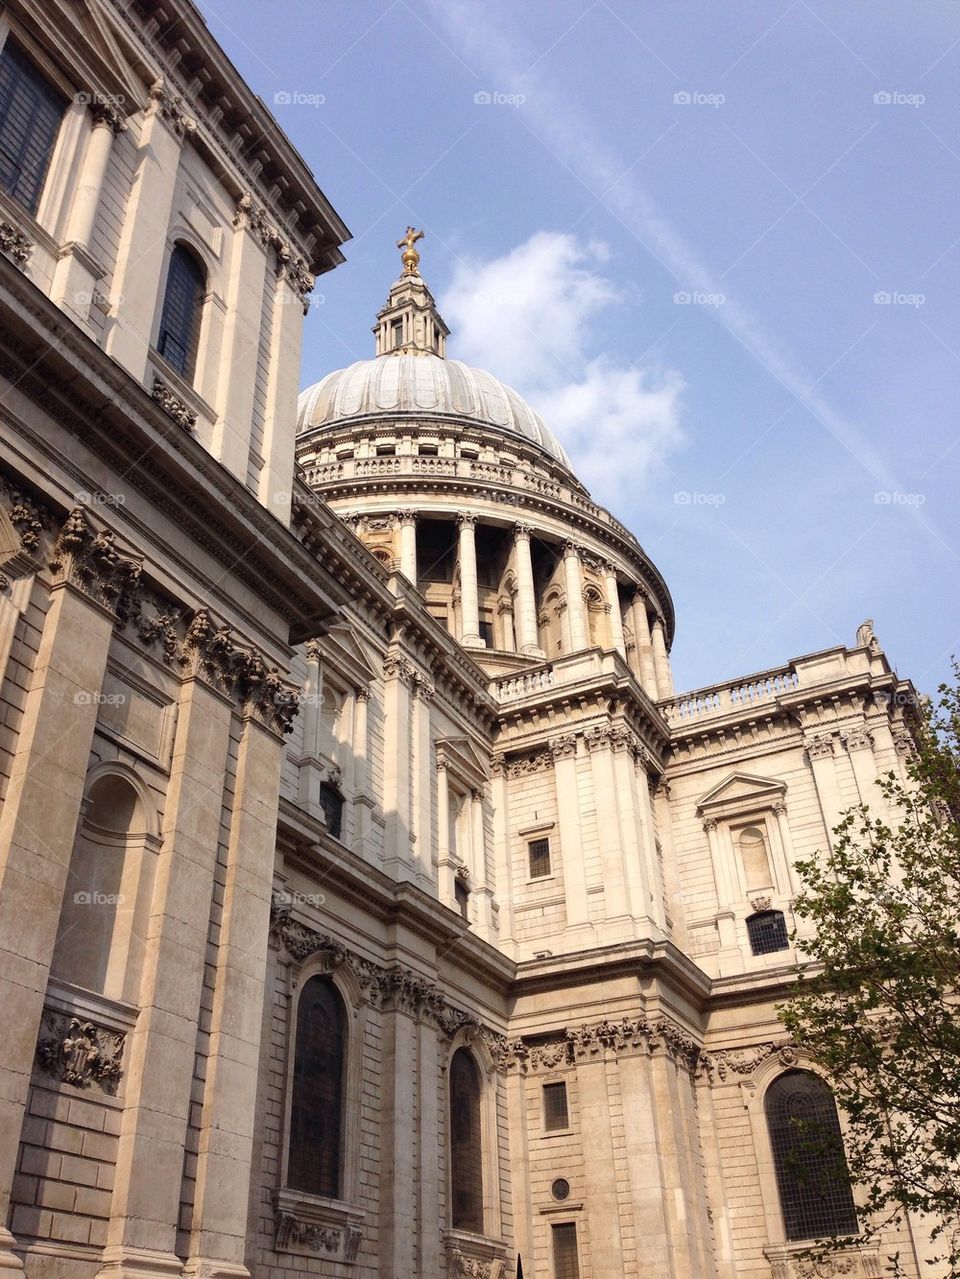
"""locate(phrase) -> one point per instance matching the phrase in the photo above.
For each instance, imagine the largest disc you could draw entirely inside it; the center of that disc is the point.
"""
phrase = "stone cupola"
(409, 322)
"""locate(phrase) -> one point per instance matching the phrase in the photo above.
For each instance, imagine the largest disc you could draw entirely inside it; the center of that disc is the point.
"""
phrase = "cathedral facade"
(371, 903)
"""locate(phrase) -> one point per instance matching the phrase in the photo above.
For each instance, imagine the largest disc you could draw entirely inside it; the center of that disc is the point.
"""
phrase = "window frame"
(55, 89)
(555, 1228)
(549, 1129)
(463, 1054)
(768, 913)
(190, 376)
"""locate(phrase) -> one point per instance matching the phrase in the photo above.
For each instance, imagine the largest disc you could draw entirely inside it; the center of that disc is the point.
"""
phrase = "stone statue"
(865, 635)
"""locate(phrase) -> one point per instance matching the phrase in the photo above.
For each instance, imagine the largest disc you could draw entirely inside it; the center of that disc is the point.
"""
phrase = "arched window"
(466, 1154)
(182, 310)
(767, 931)
(100, 934)
(812, 1177)
(316, 1113)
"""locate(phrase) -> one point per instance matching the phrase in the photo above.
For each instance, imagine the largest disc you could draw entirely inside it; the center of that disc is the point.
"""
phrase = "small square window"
(767, 931)
(555, 1114)
(386, 450)
(539, 853)
(471, 455)
(428, 450)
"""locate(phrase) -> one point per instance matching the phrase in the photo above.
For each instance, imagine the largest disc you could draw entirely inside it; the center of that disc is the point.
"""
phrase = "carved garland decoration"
(399, 988)
(15, 243)
(475, 1267)
(333, 1241)
(79, 1052)
(172, 405)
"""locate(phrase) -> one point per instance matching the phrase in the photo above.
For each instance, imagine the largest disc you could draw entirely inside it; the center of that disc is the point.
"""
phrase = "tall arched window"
(466, 1152)
(316, 1113)
(812, 1177)
(182, 310)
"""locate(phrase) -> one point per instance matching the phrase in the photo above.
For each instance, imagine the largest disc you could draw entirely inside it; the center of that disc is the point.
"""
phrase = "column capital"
(406, 517)
(571, 548)
(106, 114)
(314, 651)
(608, 568)
(522, 532)
(170, 108)
(820, 746)
(466, 521)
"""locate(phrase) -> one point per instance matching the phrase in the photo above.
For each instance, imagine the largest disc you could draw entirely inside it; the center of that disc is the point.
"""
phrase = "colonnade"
(647, 655)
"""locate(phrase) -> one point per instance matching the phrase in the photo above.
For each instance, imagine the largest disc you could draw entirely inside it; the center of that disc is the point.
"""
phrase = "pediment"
(348, 656)
(464, 758)
(742, 790)
(89, 47)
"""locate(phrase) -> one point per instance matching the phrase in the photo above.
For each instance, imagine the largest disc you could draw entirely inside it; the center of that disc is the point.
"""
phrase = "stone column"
(483, 889)
(578, 928)
(311, 768)
(819, 748)
(398, 676)
(244, 287)
(398, 1126)
(37, 827)
(616, 924)
(446, 866)
(294, 283)
(428, 1134)
(229, 1116)
(363, 801)
(641, 631)
(727, 898)
(528, 637)
(661, 661)
(501, 852)
(469, 595)
(408, 545)
(143, 237)
(423, 693)
(859, 744)
(77, 272)
(576, 612)
(613, 603)
(141, 1235)
(600, 1157)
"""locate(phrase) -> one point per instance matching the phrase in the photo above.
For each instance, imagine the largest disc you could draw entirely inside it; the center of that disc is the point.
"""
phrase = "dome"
(421, 385)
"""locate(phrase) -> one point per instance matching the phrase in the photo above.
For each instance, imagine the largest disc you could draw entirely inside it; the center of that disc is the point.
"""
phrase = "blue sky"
(716, 245)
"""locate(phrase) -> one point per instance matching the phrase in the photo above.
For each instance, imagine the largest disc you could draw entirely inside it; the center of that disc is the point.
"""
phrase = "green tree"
(876, 1004)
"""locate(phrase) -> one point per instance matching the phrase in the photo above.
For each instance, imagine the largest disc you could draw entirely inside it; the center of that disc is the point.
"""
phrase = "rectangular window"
(539, 853)
(386, 450)
(396, 334)
(555, 1113)
(486, 633)
(470, 454)
(30, 114)
(566, 1263)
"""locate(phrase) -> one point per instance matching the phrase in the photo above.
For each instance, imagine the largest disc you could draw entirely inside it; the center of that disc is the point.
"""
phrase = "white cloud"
(528, 317)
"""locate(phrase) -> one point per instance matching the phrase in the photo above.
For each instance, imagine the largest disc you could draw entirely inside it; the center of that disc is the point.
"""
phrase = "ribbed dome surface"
(423, 386)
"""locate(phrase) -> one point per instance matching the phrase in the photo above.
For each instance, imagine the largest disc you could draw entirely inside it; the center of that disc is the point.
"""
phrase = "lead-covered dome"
(419, 384)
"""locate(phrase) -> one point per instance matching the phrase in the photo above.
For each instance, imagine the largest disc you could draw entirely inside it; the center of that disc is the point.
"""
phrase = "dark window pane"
(331, 801)
(182, 309)
(811, 1168)
(539, 857)
(767, 931)
(466, 1157)
(566, 1264)
(555, 1107)
(486, 633)
(30, 115)
(316, 1112)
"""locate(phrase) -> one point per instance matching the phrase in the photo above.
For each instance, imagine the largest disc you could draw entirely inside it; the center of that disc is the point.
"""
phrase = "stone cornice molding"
(213, 653)
(92, 560)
